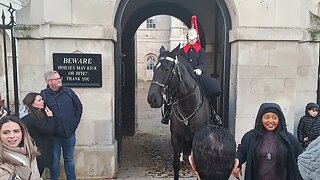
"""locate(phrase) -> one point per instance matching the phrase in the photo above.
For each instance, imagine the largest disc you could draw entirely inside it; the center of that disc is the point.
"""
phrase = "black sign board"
(79, 70)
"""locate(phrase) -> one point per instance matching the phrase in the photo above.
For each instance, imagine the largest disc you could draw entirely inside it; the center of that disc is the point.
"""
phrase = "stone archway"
(214, 25)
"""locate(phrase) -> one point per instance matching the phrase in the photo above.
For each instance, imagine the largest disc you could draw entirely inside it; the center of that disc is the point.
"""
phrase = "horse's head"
(163, 77)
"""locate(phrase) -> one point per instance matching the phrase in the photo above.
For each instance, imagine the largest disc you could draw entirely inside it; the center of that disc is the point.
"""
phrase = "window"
(151, 22)
(150, 62)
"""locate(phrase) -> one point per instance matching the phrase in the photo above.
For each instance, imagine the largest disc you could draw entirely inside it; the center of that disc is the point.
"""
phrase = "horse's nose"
(152, 100)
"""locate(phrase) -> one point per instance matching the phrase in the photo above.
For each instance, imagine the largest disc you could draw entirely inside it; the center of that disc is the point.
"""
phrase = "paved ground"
(148, 154)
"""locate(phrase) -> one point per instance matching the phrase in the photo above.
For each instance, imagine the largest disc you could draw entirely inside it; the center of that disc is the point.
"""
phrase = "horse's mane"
(189, 68)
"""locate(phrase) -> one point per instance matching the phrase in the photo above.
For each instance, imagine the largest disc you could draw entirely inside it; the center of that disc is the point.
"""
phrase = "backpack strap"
(69, 92)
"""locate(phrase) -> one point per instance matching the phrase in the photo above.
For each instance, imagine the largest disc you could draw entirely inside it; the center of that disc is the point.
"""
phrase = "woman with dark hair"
(17, 151)
(269, 150)
(40, 123)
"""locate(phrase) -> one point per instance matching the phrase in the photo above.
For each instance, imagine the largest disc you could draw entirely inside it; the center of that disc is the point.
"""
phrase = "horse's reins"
(185, 119)
(175, 104)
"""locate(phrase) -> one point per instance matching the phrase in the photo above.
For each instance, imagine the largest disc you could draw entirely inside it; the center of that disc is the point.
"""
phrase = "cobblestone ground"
(148, 154)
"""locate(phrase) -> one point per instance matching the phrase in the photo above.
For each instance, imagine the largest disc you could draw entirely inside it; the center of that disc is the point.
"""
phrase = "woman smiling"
(269, 150)
(17, 151)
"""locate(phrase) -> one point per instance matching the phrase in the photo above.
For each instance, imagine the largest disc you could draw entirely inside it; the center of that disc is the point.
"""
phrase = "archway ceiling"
(136, 11)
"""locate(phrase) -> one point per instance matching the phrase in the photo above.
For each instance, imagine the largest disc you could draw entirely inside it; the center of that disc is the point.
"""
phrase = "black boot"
(166, 115)
(165, 120)
(216, 120)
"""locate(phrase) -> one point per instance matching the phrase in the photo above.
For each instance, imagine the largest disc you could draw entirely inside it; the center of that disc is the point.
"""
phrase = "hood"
(270, 107)
(310, 105)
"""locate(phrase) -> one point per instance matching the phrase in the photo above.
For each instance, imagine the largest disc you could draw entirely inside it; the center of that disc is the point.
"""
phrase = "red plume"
(194, 24)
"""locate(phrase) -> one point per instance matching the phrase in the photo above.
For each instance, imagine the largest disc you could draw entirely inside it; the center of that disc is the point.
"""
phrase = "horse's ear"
(176, 50)
(162, 50)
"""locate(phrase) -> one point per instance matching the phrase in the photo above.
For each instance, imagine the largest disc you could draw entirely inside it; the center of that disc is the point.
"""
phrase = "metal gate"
(7, 29)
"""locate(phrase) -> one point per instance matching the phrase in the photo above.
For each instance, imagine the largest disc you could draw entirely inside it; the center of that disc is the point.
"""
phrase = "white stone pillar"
(66, 26)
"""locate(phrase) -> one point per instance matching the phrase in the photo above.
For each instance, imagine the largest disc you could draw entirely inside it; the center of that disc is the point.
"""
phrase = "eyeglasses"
(314, 110)
(60, 78)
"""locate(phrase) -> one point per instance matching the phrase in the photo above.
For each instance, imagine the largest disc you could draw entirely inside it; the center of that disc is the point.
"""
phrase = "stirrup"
(216, 120)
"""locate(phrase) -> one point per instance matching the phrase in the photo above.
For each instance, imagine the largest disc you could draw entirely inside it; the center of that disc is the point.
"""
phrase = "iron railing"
(4, 28)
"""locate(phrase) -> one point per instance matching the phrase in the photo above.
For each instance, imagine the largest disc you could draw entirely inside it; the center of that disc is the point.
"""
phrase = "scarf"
(18, 160)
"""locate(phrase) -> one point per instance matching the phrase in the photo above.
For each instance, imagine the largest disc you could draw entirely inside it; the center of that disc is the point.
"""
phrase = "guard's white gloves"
(198, 72)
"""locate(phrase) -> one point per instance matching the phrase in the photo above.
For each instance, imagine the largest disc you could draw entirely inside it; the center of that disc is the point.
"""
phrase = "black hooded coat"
(251, 139)
(308, 126)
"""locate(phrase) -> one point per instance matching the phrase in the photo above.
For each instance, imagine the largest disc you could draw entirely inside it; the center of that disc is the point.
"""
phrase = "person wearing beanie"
(269, 150)
(309, 125)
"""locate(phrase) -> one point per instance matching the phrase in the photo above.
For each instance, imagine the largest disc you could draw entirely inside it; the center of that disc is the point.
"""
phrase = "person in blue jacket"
(67, 109)
(269, 150)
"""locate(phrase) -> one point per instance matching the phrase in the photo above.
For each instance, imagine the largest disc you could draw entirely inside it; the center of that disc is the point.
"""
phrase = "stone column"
(66, 26)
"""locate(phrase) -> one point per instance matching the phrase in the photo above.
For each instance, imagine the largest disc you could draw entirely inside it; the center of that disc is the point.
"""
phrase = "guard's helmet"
(192, 34)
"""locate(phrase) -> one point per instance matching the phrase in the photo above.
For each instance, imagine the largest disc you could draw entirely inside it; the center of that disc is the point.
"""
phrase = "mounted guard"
(196, 56)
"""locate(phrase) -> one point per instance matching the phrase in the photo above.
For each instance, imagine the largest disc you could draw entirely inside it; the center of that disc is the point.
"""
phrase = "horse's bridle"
(174, 70)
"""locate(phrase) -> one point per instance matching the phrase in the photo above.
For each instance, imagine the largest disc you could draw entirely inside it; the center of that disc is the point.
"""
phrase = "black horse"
(174, 79)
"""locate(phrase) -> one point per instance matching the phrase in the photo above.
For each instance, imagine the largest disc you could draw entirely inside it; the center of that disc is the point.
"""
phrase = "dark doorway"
(214, 26)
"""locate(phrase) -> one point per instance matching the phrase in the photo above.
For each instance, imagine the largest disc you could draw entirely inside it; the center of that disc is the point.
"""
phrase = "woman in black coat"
(40, 123)
(269, 150)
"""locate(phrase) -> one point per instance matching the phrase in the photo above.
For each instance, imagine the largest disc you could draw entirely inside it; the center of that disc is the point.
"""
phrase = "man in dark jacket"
(67, 108)
(213, 153)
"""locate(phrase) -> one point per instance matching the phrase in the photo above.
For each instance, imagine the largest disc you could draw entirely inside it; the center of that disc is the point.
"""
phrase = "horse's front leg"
(177, 147)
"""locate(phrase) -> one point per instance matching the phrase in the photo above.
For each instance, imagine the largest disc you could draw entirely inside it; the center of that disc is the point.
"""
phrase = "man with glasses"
(67, 108)
(309, 125)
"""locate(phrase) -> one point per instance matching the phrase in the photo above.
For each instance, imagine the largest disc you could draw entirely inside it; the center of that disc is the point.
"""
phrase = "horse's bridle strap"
(168, 58)
(157, 83)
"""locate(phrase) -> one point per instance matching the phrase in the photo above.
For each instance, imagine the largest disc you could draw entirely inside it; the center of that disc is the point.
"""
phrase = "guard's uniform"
(197, 57)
